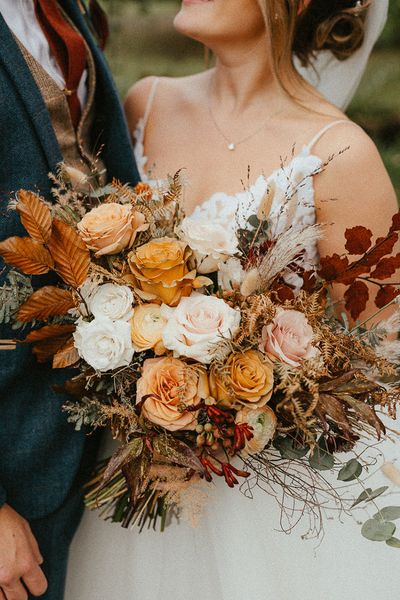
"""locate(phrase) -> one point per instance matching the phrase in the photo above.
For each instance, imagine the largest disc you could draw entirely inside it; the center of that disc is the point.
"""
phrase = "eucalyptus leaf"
(350, 471)
(288, 449)
(378, 492)
(388, 513)
(362, 497)
(378, 531)
(370, 494)
(393, 542)
(253, 221)
(321, 460)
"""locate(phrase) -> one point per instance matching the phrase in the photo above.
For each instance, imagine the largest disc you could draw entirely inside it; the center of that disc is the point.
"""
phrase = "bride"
(229, 127)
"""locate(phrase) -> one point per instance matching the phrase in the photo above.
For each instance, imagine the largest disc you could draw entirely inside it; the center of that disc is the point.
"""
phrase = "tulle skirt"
(235, 553)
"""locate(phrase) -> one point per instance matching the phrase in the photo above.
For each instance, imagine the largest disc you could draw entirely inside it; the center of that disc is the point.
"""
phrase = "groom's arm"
(20, 558)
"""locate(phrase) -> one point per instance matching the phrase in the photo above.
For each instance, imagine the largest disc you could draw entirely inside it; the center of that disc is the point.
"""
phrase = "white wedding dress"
(236, 552)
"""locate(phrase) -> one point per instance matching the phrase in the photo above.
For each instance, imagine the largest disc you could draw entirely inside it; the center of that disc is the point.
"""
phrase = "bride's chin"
(194, 18)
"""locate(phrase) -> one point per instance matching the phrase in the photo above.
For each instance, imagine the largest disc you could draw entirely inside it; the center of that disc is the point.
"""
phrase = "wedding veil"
(338, 80)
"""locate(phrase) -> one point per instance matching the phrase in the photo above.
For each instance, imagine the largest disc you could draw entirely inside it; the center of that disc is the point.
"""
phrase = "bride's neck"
(244, 77)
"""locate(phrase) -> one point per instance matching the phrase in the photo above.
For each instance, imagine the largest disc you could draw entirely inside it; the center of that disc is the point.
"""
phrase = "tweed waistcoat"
(76, 145)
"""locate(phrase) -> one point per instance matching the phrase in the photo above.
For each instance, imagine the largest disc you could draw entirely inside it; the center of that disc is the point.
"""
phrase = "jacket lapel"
(19, 73)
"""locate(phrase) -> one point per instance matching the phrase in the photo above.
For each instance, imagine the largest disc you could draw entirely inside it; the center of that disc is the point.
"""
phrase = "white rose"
(230, 274)
(211, 241)
(197, 324)
(111, 301)
(104, 344)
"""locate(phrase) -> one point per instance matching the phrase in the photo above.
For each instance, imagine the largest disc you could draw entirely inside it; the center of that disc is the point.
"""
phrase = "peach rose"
(147, 325)
(161, 270)
(263, 423)
(247, 379)
(288, 338)
(111, 227)
(168, 384)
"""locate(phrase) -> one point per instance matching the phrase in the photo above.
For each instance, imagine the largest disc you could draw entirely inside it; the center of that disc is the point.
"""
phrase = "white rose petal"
(211, 241)
(230, 274)
(104, 344)
(197, 324)
(112, 302)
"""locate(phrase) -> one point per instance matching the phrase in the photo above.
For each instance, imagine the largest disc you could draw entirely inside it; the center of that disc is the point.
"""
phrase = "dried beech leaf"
(351, 274)
(385, 295)
(395, 223)
(35, 216)
(48, 301)
(27, 255)
(71, 257)
(386, 267)
(49, 331)
(358, 240)
(356, 297)
(382, 247)
(332, 266)
(284, 292)
(67, 356)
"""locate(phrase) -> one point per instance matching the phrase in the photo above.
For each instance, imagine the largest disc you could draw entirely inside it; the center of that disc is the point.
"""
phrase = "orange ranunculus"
(147, 325)
(247, 379)
(161, 270)
(168, 384)
(111, 227)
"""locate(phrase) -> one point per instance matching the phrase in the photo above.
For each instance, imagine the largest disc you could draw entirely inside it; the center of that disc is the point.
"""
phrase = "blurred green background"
(143, 43)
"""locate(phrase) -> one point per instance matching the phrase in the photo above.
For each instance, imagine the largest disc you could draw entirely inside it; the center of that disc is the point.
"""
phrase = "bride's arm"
(355, 189)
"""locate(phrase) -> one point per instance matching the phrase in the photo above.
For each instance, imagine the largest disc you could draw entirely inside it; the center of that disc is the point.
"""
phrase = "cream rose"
(147, 326)
(112, 301)
(111, 227)
(197, 324)
(104, 344)
(168, 384)
(289, 338)
(211, 241)
(263, 423)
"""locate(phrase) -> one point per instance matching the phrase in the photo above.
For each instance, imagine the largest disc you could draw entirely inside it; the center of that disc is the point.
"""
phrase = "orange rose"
(169, 383)
(161, 270)
(111, 227)
(247, 379)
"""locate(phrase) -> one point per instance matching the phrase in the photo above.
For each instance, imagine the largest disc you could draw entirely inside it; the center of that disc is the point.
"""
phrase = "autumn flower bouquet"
(208, 344)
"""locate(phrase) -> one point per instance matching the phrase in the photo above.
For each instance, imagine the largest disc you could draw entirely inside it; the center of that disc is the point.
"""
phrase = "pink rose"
(288, 338)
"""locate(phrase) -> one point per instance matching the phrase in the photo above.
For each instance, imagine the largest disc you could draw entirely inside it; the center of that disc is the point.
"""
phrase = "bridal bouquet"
(208, 346)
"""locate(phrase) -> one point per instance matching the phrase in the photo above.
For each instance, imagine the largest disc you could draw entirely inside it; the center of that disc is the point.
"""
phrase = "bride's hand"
(20, 558)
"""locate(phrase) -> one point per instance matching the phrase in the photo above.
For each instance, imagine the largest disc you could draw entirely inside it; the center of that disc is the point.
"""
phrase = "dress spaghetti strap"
(150, 101)
(322, 132)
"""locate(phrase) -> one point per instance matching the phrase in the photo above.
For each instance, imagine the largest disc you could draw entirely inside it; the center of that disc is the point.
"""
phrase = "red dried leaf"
(385, 295)
(71, 257)
(35, 216)
(333, 266)
(386, 267)
(284, 292)
(356, 297)
(48, 301)
(358, 240)
(27, 255)
(395, 223)
(308, 281)
(383, 246)
(349, 276)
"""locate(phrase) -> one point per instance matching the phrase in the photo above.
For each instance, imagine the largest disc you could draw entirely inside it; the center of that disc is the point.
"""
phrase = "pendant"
(232, 147)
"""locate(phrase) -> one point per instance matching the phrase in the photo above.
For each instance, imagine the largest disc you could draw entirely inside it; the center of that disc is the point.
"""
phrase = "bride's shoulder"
(172, 93)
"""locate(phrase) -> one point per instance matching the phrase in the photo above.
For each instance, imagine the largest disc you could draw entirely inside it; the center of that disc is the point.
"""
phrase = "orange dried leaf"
(71, 257)
(333, 266)
(358, 240)
(35, 216)
(383, 246)
(67, 356)
(27, 255)
(356, 297)
(386, 267)
(395, 222)
(48, 301)
(49, 331)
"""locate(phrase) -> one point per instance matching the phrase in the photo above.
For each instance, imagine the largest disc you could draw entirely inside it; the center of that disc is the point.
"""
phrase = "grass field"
(146, 44)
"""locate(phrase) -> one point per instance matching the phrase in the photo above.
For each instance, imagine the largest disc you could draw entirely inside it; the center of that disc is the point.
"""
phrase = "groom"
(57, 103)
